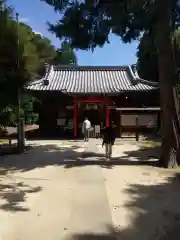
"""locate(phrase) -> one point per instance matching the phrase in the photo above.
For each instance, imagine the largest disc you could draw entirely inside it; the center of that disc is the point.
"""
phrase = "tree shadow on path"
(153, 213)
(153, 209)
(71, 156)
(12, 196)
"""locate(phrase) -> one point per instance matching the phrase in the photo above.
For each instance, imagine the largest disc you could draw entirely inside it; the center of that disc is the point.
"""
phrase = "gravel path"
(50, 194)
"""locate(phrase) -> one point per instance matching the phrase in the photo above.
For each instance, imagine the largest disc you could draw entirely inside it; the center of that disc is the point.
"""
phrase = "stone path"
(49, 194)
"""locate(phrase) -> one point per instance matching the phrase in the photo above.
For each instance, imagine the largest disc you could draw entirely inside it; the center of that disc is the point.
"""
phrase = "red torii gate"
(90, 100)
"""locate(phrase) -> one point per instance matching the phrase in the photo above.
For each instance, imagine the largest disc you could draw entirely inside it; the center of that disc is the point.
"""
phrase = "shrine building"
(102, 94)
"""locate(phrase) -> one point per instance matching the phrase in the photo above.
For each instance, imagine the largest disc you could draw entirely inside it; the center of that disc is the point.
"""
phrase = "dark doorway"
(95, 112)
(94, 116)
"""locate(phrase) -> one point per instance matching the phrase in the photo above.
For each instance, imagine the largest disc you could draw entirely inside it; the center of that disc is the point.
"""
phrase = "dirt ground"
(67, 190)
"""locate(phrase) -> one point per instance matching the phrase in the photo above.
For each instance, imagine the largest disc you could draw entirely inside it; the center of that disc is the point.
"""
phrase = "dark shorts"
(86, 132)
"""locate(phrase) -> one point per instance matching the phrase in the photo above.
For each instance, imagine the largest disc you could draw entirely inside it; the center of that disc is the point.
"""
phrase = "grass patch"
(150, 144)
(4, 142)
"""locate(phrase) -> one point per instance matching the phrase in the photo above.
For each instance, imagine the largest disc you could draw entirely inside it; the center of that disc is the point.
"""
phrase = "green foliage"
(147, 62)
(8, 115)
(147, 56)
(65, 55)
(31, 53)
(87, 24)
(10, 77)
(44, 50)
(29, 50)
(30, 116)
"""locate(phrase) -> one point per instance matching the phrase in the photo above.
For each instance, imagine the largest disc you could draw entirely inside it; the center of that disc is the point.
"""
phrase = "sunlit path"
(66, 190)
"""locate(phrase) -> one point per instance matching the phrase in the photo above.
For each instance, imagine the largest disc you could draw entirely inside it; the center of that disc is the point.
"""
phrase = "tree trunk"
(167, 78)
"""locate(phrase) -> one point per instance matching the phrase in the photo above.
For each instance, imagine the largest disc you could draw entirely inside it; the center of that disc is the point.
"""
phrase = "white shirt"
(86, 124)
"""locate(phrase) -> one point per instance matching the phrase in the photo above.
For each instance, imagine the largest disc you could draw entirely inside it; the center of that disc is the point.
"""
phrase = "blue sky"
(36, 13)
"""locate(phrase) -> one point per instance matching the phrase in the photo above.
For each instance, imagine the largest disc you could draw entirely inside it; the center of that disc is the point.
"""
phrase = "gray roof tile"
(78, 79)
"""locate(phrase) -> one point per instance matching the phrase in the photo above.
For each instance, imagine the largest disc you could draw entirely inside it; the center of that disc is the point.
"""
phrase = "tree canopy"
(33, 51)
(24, 62)
(147, 59)
(86, 24)
(65, 55)
(147, 56)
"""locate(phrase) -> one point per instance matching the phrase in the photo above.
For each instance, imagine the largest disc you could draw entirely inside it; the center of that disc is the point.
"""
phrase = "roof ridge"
(117, 81)
(78, 67)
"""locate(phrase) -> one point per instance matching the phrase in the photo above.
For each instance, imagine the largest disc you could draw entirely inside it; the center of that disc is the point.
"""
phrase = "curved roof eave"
(136, 79)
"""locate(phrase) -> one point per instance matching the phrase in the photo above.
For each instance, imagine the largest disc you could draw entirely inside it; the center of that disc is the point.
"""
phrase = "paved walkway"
(65, 191)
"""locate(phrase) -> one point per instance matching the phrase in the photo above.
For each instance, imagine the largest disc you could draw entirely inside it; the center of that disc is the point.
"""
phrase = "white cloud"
(24, 20)
(36, 32)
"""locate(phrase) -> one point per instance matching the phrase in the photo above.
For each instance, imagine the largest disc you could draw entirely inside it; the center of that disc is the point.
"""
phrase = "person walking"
(86, 128)
(108, 140)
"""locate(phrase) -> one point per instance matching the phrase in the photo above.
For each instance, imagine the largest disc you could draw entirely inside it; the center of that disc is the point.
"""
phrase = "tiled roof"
(76, 79)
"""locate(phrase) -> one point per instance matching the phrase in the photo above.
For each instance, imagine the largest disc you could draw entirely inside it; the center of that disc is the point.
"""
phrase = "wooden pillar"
(137, 128)
(75, 119)
(120, 124)
(107, 114)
